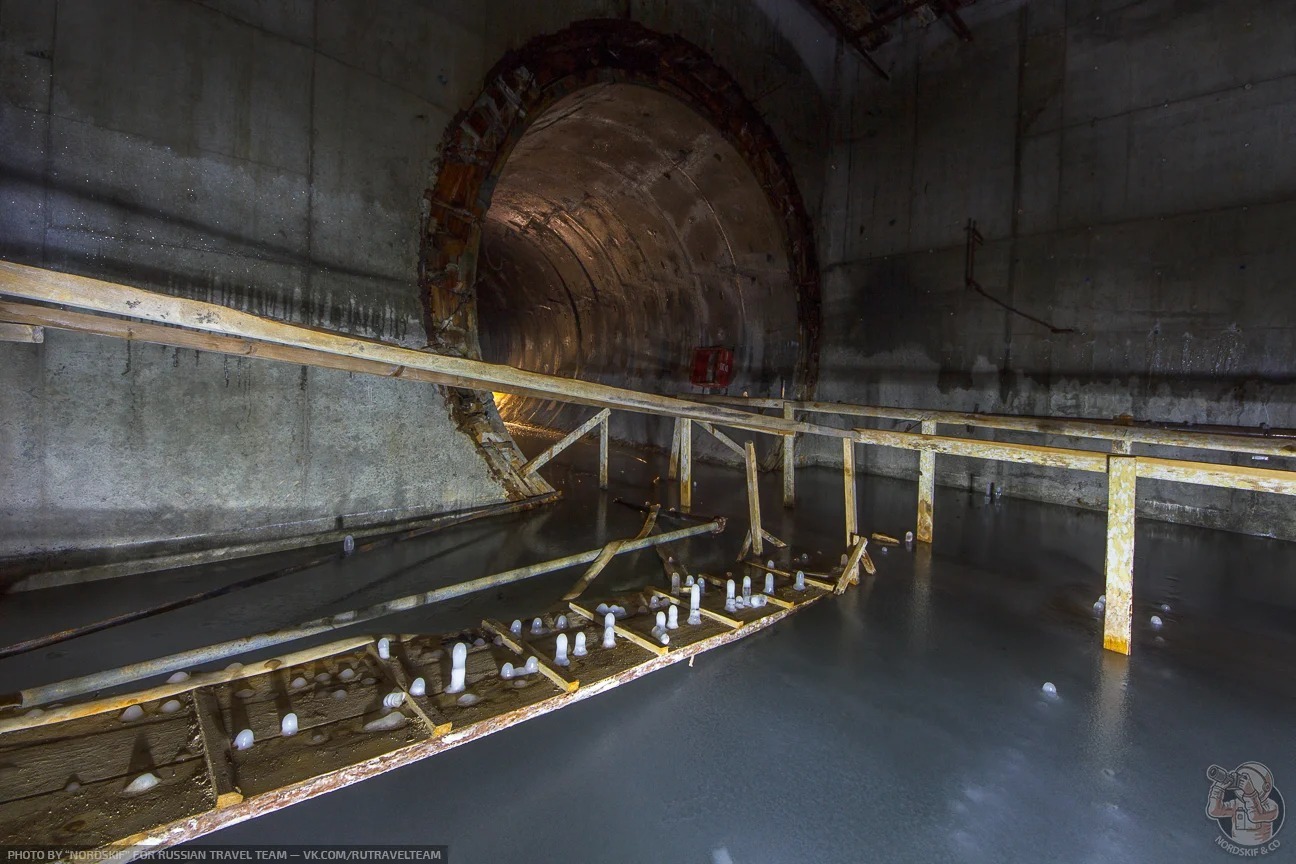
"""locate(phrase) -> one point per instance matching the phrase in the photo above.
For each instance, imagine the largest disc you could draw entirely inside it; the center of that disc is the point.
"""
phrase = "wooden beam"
(926, 486)
(607, 553)
(702, 610)
(29, 333)
(753, 501)
(722, 437)
(216, 750)
(393, 669)
(95, 295)
(848, 490)
(789, 460)
(603, 451)
(672, 470)
(566, 441)
(1122, 476)
(1031, 454)
(685, 464)
(1220, 476)
(850, 573)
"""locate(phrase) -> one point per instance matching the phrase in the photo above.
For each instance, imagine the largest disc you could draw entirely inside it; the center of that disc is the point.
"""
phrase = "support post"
(789, 460)
(848, 485)
(926, 486)
(1122, 475)
(672, 470)
(685, 464)
(603, 451)
(753, 501)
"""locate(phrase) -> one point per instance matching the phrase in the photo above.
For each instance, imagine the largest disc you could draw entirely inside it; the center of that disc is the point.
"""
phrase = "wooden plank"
(848, 490)
(1122, 476)
(566, 441)
(523, 650)
(926, 486)
(21, 333)
(1267, 444)
(686, 464)
(95, 295)
(216, 749)
(789, 460)
(603, 451)
(627, 634)
(609, 552)
(672, 470)
(1221, 476)
(850, 573)
(722, 438)
(753, 500)
(1029, 454)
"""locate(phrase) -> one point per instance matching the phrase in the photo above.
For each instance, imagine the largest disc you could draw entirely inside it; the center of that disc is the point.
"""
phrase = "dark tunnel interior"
(623, 233)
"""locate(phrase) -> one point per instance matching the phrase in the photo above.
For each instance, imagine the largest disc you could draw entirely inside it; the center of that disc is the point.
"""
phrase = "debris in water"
(245, 693)
(769, 583)
(609, 634)
(348, 545)
(458, 668)
(170, 706)
(908, 539)
(298, 683)
(516, 627)
(418, 687)
(318, 738)
(393, 699)
(688, 581)
(675, 584)
(532, 666)
(346, 674)
(799, 584)
(672, 617)
(560, 651)
(178, 678)
(386, 723)
(134, 712)
(560, 623)
(288, 726)
(244, 740)
(479, 642)
(758, 601)
(506, 671)
(602, 609)
(537, 627)
(1165, 607)
(368, 681)
(470, 698)
(579, 649)
(384, 648)
(1157, 622)
(1099, 607)
(142, 783)
(770, 564)
(730, 605)
(339, 694)
(1050, 689)
(323, 678)
(72, 786)
(695, 603)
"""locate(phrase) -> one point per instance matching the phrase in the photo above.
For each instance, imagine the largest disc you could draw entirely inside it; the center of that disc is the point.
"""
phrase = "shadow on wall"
(379, 317)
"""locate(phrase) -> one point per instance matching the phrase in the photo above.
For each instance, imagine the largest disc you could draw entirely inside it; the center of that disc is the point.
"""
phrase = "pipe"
(63, 690)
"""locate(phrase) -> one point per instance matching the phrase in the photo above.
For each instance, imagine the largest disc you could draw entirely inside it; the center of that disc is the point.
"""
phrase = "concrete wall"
(269, 156)
(1130, 165)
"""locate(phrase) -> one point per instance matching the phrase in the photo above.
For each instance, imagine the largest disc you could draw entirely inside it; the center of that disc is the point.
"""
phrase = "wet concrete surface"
(902, 722)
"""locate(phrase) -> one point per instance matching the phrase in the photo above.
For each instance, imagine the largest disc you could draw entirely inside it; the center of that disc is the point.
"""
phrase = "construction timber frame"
(180, 322)
(1123, 469)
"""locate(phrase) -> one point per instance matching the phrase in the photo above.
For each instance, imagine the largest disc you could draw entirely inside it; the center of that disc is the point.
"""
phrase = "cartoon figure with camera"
(1245, 804)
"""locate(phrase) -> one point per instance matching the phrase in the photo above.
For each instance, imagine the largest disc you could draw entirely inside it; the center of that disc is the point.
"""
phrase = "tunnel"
(624, 233)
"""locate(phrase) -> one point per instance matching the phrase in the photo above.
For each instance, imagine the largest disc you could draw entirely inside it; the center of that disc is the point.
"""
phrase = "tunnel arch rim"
(519, 89)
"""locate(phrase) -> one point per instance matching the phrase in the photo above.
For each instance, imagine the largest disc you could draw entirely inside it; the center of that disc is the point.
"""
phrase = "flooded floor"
(905, 721)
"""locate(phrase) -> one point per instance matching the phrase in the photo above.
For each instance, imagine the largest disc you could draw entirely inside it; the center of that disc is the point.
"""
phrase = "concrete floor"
(902, 722)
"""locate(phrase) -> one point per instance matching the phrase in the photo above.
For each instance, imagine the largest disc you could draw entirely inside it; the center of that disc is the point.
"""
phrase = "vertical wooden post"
(926, 486)
(1122, 474)
(789, 460)
(848, 482)
(672, 471)
(685, 464)
(753, 501)
(603, 452)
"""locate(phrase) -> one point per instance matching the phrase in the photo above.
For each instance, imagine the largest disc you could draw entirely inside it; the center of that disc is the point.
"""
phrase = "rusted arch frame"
(520, 88)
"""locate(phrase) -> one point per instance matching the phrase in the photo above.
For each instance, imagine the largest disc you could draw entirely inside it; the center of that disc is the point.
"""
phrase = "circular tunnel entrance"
(610, 203)
(625, 232)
